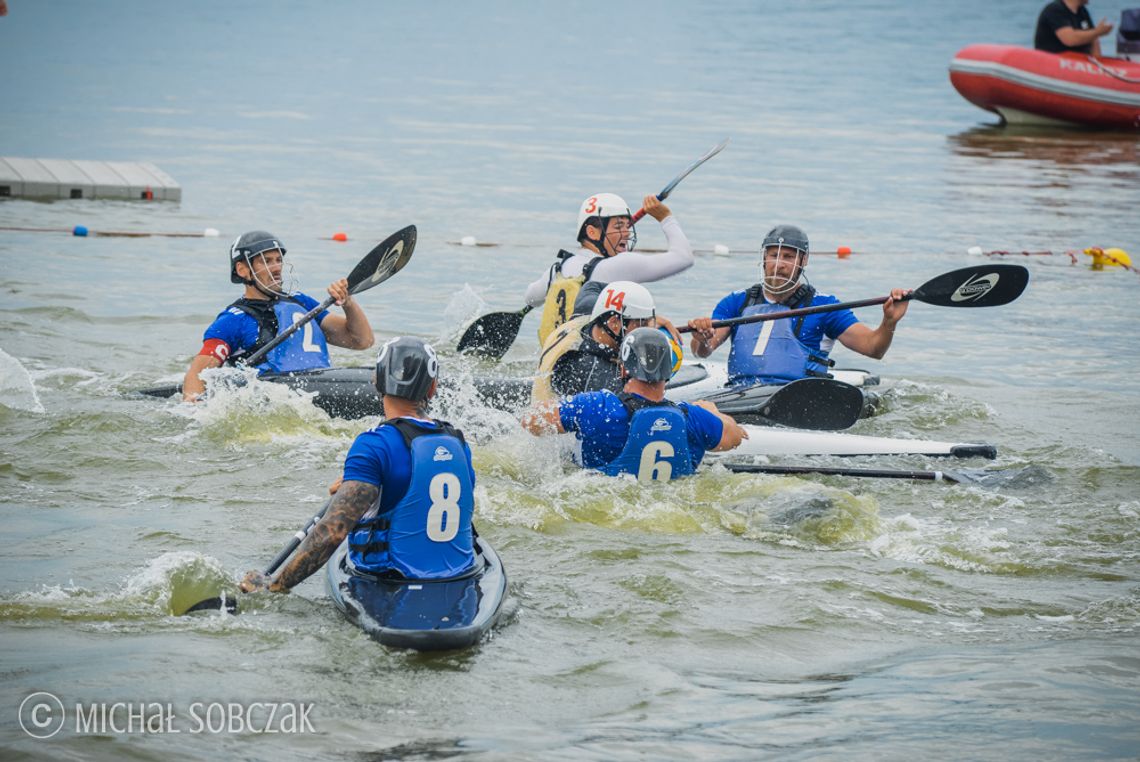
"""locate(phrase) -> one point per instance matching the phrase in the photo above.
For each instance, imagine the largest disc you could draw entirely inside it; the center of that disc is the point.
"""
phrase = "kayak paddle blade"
(818, 404)
(491, 335)
(981, 286)
(385, 260)
(227, 602)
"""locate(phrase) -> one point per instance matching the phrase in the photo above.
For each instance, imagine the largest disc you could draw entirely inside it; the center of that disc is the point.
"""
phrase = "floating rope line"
(1101, 257)
(81, 231)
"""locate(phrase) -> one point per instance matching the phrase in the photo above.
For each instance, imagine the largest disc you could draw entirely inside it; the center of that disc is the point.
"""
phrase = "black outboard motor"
(1128, 35)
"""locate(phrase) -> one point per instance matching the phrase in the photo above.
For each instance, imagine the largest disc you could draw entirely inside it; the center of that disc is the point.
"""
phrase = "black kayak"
(350, 393)
(809, 403)
(425, 615)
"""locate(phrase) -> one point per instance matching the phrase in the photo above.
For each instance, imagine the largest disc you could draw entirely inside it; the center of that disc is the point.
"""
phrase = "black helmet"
(405, 368)
(786, 235)
(249, 245)
(647, 356)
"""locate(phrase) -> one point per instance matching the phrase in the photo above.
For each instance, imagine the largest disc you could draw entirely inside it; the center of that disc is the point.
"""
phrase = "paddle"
(981, 286)
(951, 477)
(664, 194)
(808, 403)
(385, 260)
(230, 603)
(491, 335)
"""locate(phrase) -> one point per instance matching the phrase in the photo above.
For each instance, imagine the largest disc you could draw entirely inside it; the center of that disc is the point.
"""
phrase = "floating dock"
(46, 179)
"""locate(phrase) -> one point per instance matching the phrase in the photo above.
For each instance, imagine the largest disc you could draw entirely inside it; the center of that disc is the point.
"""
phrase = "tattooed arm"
(352, 501)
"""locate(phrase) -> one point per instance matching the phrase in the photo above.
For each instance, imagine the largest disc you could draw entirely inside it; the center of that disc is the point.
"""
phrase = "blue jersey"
(240, 331)
(421, 527)
(779, 351)
(602, 423)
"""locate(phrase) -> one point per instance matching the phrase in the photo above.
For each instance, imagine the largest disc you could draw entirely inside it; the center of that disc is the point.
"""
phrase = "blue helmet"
(406, 368)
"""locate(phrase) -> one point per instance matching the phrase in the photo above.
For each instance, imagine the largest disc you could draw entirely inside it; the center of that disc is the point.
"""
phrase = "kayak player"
(1066, 26)
(269, 306)
(638, 431)
(779, 351)
(406, 497)
(582, 354)
(607, 239)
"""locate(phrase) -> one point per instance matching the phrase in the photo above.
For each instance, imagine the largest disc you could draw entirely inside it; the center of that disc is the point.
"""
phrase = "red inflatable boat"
(1025, 86)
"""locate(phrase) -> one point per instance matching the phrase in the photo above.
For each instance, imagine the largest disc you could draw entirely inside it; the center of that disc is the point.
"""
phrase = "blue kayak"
(425, 615)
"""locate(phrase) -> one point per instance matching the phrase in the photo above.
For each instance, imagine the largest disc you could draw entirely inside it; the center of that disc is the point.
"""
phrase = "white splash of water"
(463, 307)
(17, 390)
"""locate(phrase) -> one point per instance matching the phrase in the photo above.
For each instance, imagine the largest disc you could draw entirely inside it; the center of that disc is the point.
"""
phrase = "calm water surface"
(723, 617)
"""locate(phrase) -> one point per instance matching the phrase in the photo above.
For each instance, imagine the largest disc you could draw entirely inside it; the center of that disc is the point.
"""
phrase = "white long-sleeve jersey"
(628, 265)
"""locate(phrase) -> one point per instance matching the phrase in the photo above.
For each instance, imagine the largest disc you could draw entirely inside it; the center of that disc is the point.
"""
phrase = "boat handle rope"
(1111, 73)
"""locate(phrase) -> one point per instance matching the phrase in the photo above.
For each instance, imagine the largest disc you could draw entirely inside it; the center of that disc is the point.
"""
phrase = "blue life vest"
(770, 351)
(657, 447)
(428, 533)
(304, 350)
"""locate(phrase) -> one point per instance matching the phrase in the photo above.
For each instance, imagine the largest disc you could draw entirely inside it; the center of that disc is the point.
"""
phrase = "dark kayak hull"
(808, 403)
(430, 615)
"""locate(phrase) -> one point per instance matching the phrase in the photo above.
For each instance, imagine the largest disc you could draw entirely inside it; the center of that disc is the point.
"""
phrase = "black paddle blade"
(161, 391)
(819, 404)
(227, 602)
(385, 260)
(491, 335)
(981, 286)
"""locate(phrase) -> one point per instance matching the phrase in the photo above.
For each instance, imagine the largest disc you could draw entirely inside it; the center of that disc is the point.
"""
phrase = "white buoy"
(210, 233)
(720, 250)
(467, 240)
(974, 251)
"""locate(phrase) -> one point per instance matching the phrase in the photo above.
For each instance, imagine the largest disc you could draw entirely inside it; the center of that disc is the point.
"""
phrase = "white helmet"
(624, 297)
(603, 206)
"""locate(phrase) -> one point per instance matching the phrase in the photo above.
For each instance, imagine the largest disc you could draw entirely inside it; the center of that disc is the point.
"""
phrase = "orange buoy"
(843, 252)
(340, 237)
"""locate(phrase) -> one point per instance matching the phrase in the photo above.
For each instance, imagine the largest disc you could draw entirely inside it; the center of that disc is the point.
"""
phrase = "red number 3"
(591, 205)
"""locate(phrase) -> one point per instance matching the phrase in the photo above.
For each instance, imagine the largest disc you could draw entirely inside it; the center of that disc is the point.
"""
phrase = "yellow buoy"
(1117, 257)
(1113, 257)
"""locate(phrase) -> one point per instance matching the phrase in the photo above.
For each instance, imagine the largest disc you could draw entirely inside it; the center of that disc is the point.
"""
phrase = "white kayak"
(767, 440)
(710, 377)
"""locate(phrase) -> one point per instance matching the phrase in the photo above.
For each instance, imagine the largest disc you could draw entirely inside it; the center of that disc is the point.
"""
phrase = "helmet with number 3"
(598, 210)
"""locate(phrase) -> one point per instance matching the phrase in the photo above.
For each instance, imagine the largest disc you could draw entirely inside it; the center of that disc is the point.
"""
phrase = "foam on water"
(464, 306)
(167, 585)
(240, 409)
(17, 391)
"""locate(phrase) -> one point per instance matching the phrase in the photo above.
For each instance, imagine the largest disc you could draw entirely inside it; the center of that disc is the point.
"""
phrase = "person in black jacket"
(1065, 25)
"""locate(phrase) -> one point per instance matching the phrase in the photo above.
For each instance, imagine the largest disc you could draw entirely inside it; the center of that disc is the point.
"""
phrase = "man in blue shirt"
(269, 306)
(638, 431)
(779, 351)
(406, 500)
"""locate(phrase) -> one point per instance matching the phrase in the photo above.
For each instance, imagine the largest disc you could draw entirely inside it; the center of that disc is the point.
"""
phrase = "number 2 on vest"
(443, 516)
(307, 332)
(651, 469)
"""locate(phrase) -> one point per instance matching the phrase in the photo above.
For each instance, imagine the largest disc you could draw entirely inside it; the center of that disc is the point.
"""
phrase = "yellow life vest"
(561, 292)
(565, 338)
